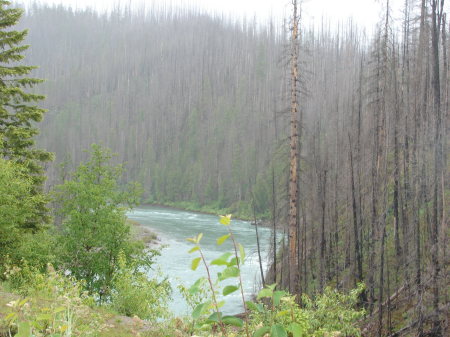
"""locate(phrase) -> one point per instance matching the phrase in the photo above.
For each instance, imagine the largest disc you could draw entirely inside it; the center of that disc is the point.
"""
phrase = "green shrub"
(329, 314)
(94, 229)
(134, 294)
(56, 306)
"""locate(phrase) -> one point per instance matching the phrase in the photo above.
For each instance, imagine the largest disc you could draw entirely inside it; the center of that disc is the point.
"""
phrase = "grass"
(111, 323)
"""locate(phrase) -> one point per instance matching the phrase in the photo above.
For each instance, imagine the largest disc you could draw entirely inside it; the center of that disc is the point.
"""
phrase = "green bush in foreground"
(18, 204)
(56, 306)
(93, 205)
(275, 313)
(134, 294)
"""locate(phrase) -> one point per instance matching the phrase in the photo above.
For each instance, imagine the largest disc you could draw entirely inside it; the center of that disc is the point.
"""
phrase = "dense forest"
(206, 111)
(185, 99)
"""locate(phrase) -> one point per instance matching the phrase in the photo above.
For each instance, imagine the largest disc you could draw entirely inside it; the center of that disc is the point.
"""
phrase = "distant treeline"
(196, 107)
(186, 100)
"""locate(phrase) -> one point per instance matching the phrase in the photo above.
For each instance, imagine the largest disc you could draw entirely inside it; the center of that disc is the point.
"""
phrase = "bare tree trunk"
(358, 261)
(258, 246)
(436, 21)
(381, 283)
(293, 183)
(274, 227)
(397, 224)
(322, 232)
(415, 172)
(406, 157)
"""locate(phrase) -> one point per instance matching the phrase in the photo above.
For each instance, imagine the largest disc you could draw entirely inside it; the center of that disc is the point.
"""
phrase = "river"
(174, 226)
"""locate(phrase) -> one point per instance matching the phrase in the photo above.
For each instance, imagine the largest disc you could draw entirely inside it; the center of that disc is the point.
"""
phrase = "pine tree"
(18, 109)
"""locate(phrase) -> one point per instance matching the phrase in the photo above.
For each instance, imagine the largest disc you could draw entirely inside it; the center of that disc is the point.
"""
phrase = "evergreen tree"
(18, 109)
(17, 207)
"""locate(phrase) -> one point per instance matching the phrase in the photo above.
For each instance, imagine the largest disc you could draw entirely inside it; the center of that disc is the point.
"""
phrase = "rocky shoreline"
(144, 234)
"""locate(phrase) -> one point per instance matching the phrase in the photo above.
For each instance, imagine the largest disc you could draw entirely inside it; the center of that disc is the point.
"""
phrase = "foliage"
(196, 293)
(18, 204)
(94, 225)
(18, 113)
(22, 277)
(56, 307)
(275, 312)
(329, 314)
(134, 294)
(335, 311)
(231, 263)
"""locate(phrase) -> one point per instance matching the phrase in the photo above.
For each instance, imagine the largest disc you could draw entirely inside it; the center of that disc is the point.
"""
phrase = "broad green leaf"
(220, 304)
(193, 290)
(229, 272)
(229, 289)
(22, 303)
(277, 330)
(222, 239)
(199, 237)
(254, 306)
(44, 317)
(194, 249)
(24, 329)
(225, 219)
(199, 309)
(261, 331)
(196, 286)
(277, 295)
(59, 309)
(233, 262)
(195, 263)
(193, 240)
(271, 286)
(214, 318)
(295, 329)
(242, 253)
(234, 321)
(282, 313)
(222, 260)
(263, 293)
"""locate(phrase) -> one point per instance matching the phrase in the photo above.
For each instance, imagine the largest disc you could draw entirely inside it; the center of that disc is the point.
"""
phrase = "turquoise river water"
(174, 226)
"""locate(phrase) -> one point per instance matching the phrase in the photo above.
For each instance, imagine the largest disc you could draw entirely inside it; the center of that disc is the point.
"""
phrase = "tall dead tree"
(436, 10)
(358, 260)
(293, 173)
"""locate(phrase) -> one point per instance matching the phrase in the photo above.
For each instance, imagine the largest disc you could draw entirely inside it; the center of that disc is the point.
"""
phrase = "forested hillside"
(186, 100)
(197, 108)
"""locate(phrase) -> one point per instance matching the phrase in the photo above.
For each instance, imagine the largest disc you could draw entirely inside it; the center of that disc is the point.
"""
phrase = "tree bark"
(293, 183)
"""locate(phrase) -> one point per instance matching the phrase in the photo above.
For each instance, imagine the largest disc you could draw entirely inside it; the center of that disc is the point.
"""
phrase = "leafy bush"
(275, 313)
(329, 314)
(195, 294)
(18, 205)
(93, 207)
(134, 294)
(56, 307)
(334, 311)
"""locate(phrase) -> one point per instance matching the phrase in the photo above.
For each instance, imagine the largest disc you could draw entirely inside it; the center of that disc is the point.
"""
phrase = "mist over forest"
(335, 138)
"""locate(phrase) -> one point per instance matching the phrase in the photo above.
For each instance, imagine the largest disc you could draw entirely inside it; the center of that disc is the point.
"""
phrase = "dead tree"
(293, 174)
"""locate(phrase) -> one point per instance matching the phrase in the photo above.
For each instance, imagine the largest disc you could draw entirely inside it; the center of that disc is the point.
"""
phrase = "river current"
(174, 226)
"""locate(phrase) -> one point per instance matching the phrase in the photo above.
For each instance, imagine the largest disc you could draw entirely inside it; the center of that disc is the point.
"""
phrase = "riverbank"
(240, 211)
(144, 234)
(263, 220)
